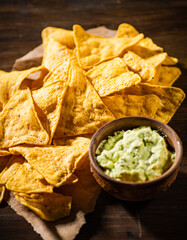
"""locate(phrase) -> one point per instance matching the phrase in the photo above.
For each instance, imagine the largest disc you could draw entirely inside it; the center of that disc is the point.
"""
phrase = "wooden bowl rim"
(161, 178)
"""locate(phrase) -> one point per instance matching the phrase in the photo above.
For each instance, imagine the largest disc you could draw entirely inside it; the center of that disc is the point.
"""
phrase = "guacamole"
(136, 155)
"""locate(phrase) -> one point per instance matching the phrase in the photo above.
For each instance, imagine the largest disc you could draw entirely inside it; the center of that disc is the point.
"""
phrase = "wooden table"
(21, 23)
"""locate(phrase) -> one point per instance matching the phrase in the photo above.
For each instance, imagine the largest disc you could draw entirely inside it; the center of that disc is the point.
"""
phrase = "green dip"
(134, 155)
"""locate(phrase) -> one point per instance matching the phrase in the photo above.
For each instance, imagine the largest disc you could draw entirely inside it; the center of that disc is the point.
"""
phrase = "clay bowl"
(131, 191)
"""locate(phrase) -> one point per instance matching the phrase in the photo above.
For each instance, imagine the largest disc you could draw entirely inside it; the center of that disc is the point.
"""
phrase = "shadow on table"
(165, 216)
(94, 220)
(161, 218)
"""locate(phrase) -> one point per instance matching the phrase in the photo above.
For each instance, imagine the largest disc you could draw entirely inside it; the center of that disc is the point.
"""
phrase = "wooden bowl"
(131, 191)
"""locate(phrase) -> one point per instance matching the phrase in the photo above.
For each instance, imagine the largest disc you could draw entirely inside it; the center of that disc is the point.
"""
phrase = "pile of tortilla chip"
(46, 122)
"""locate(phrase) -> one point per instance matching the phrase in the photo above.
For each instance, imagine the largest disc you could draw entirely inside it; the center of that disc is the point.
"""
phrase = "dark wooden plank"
(165, 22)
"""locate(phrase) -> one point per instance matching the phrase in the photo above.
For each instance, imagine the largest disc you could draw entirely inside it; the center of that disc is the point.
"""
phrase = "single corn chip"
(82, 111)
(145, 47)
(19, 122)
(63, 36)
(48, 206)
(112, 76)
(93, 50)
(10, 82)
(168, 75)
(150, 45)
(28, 180)
(11, 167)
(55, 163)
(55, 54)
(145, 70)
(126, 30)
(161, 58)
(49, 100)
(171, 98)
(132, 105)
(170, 61)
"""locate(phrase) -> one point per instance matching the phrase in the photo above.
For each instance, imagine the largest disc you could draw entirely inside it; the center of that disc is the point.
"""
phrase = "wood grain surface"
(165, 22)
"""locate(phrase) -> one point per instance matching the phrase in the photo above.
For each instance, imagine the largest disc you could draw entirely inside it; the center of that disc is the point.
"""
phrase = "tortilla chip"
(93, 50)
(49, 99)
(2, 193)
(149, 44)
(82, 111)
(11, 167)
(19, 122)
(111, 76)
(85, 192)
(55, 163)
(146, 70)
(146, 45)
(55, 54)
(170, 61)
(11, 81)
(49, 206)
(126, 30)
(64, 37)
(171, 98)
(132, 105)
(157, 59)
(168, 75)
(162, 58)
(28, 180)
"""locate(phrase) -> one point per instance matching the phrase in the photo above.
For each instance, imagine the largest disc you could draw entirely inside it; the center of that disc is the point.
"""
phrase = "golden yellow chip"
(93, 50)
(157, 59)
(146, 70)
(28, 180)
(126, 30)
(132, 105)
(144, 48)
(161, 58)
(2, 193)
(85, 192)
(19, 122)
(49, 206)
(11, 167)
(55, 54)
(170, 61)
(112, 76)
(150, 45)
(64, 37)
(82, 111)
(168, 75)
(171, 98)
(55, 163)
(49, 100)
(11, 81)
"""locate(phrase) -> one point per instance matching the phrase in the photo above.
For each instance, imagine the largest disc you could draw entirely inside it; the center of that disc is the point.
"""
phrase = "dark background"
(165, 22)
